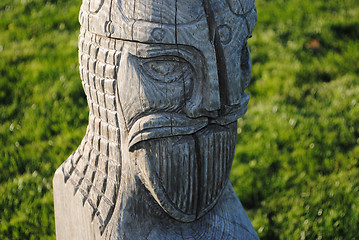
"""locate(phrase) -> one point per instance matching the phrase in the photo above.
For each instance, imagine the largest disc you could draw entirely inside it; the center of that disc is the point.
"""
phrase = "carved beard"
(187, 174)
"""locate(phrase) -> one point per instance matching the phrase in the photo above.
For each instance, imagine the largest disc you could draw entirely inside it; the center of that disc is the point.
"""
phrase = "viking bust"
(165, 82)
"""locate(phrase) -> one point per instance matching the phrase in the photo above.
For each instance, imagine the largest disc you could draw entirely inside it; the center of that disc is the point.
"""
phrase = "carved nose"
(223, 91)
(234, 76)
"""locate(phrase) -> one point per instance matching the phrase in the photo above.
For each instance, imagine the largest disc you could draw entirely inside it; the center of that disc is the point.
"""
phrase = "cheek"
(140, 93)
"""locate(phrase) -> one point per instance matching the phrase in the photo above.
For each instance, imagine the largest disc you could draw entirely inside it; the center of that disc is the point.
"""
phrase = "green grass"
(296, 168)
(296, 165)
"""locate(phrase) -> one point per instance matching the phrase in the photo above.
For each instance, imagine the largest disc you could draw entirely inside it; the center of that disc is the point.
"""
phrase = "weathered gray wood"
(165, 85)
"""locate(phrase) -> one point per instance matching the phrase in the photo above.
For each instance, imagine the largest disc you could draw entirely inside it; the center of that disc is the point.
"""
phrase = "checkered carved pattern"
(94, 168)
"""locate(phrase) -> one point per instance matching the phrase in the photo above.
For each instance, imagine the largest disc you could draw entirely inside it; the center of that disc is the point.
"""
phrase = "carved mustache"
(160, 125)
(164, 125)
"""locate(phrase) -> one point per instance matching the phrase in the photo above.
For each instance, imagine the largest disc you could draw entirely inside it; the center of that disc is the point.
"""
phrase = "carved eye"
(165, 69)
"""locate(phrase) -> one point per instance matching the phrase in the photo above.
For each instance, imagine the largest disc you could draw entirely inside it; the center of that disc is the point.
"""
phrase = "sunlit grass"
(296, 165)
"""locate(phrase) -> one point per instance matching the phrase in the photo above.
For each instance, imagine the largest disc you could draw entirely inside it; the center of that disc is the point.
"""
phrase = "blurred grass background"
(296, 168)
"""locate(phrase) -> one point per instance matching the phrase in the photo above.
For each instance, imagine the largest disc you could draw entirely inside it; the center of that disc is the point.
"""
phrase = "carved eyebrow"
(146, 50)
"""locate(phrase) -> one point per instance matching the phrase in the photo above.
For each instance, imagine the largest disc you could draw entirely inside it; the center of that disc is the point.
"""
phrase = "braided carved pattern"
(94, 168)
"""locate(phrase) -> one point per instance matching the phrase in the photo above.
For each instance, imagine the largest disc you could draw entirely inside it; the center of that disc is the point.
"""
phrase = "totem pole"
(165, 82)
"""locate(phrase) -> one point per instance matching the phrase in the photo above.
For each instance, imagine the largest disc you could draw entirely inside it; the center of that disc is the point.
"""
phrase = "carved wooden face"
(183, 145)
(174, 90)
(183, 151)
(184, 162)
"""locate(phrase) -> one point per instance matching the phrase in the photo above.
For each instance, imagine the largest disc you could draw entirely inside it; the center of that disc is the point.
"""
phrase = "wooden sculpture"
(165, 82)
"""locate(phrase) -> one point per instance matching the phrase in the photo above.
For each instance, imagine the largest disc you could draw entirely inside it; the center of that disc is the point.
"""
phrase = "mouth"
(161, 125)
